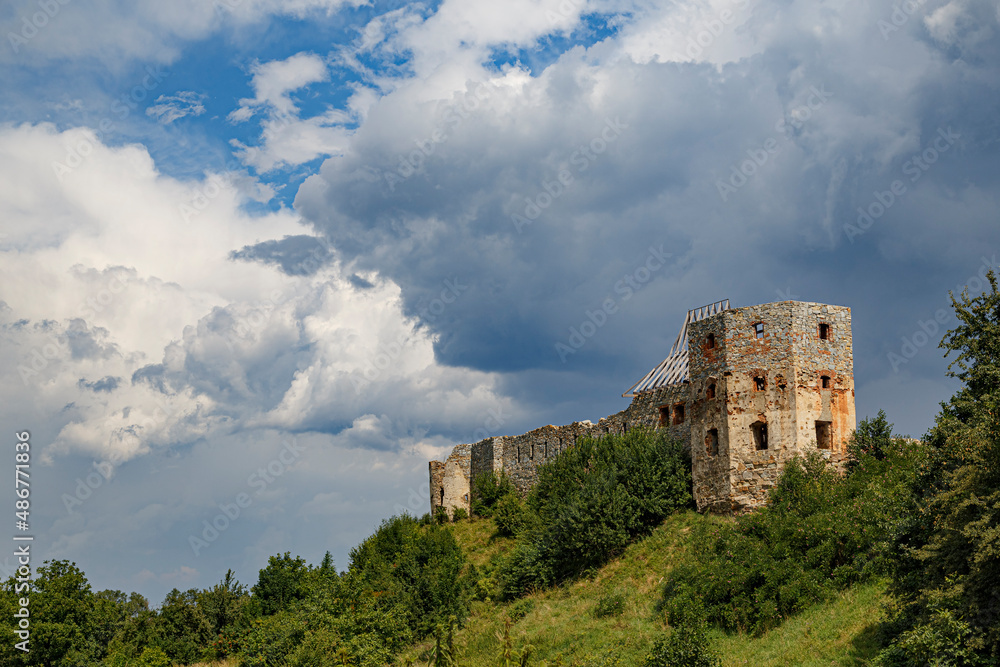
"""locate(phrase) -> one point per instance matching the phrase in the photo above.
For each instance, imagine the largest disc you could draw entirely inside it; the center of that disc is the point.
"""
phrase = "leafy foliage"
(685, 646)
(510, 516)
(280, 584)
(591, 501)
(946, 577)
(819, 533)
(487, 490)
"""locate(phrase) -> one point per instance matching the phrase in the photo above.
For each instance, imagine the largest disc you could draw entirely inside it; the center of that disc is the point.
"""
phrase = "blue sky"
(295, 249)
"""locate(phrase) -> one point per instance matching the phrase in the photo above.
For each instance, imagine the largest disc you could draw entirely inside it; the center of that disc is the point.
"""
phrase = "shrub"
(487, 490)
(441, 515)
(819, 533)
(153, 657)
(520, 609)
(459, 514)
(510, 516)
(612, 604)
(685, 646)
(591, 501)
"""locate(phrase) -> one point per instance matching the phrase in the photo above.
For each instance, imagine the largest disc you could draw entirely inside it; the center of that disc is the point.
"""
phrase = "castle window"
(664, 415)
(710, 341)
(824, 381)
(760, 383)
(531, 454)
(823, 434)
(710, 391)
(758, 330)
(712, 441)
(442, 496)
(678, 414)
(824, 331)
(759, 430)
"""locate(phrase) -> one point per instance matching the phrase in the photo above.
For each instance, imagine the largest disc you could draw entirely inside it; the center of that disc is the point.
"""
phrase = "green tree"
(61, 605)
(281, 583)
(223, 604)
(946, 578)
(184, 631)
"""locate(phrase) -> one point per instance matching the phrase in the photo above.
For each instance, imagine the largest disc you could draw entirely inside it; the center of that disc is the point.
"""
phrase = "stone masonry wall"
(520, 456)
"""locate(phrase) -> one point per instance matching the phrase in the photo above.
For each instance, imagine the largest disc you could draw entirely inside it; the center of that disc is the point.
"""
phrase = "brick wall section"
(730, 472)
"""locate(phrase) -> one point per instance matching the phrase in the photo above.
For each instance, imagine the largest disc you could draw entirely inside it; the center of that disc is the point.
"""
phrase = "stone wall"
(450, 480)
(520, 456)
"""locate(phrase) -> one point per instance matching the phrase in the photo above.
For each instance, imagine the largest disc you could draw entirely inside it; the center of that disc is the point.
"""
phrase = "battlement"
(746, 388)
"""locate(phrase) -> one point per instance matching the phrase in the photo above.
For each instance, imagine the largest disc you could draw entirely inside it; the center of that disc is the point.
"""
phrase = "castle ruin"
(747, 389)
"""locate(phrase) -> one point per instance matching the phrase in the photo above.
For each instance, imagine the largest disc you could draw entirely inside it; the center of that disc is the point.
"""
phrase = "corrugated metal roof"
(674, 369)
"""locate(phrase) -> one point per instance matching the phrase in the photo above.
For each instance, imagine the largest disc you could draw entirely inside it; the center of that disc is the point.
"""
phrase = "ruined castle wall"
(752, 403)
(520, 456)
(450, 480)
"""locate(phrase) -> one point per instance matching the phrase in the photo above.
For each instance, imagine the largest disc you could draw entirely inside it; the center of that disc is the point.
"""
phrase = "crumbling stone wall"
(450, 480)
(520, 456)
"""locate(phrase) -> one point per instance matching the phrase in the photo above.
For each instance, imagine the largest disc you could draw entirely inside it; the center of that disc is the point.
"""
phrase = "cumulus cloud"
(456, 175)
(165, 351)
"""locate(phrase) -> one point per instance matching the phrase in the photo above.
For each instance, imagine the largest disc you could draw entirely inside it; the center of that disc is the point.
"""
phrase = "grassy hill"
(565, 626)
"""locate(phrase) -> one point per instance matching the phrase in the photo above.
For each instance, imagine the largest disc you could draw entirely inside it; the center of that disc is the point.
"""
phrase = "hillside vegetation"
(894, 562)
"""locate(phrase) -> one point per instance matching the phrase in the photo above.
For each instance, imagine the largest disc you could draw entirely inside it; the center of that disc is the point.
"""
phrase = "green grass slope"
(564, 626)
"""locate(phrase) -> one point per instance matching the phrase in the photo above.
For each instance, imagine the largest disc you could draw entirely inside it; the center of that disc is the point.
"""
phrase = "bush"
(459, 514)
(685, 646)
(612, 604)
(520, 609)
(441, 515)
(591, 501)
(819, 533)
(153, 657)
(487, 490)
(510, 516)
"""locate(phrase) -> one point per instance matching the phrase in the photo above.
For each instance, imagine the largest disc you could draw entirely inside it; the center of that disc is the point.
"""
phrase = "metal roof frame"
(674, 369)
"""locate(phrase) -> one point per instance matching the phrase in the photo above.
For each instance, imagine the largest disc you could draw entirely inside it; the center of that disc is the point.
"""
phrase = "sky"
(262, 260)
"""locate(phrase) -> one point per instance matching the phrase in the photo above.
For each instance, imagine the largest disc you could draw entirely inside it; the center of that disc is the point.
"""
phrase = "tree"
(223, 604)
(183, 628)
(281, 583)
(946, 577)
(61, 606)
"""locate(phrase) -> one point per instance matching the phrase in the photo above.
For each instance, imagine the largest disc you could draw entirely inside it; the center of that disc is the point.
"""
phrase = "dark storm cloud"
(105, 384)
(750, 176)
(295, 255)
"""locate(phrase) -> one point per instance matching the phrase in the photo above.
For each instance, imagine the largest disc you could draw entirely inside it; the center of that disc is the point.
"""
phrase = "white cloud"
(219, 345)
(273, 81)
(286, 139)
(169, 108)
(117, 31)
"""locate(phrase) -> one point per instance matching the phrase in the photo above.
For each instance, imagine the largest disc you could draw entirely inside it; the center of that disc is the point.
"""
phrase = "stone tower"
(766, 383)
(747, 388)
